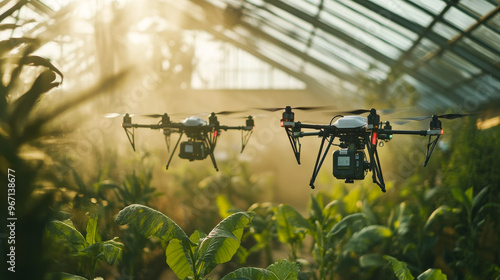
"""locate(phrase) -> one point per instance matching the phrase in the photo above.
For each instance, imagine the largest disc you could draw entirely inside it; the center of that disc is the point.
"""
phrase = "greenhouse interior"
(250, 139)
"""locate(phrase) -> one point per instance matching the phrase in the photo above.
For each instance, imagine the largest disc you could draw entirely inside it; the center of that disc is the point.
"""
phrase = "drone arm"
(175, 148)
(412, 132)
(225, 127)
(430, 132)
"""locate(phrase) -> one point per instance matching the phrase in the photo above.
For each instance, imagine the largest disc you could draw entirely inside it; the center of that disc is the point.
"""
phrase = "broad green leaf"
(316, 209)
(285, 270)
(64, 276)
(351, 200)
(372, 260)
(25, 104)
(222, 242)
(91, 229)
(150, 222)
(439, 214)
(111, 251)
(366, 238)
(291, 225)
(281, 270)
(330, 209)
(400, 268)
(223, 205)
(432, 274)
(8, 45)
(341, 227)
(179, 259)
(251, 273)
(68, 234)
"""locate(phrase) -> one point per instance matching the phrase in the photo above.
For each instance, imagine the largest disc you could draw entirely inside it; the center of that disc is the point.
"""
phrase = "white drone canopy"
(350, 122)
(194, 121)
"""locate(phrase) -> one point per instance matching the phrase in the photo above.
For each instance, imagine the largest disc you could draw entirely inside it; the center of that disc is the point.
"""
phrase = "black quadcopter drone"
(202, 135)
(356, 134)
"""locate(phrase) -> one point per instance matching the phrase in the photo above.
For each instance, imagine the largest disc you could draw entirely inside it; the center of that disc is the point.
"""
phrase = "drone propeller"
(445, 116)
(303, 108)
(116, 115)
(229, 112)
(364, 111)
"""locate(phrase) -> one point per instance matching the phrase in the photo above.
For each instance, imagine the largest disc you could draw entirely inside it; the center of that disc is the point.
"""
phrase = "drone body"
(359, 138)
(202, 135)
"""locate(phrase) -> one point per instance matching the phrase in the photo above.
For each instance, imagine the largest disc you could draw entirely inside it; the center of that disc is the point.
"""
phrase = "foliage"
(88, 250)
(281, 270)
(403, 273)
(193, 256)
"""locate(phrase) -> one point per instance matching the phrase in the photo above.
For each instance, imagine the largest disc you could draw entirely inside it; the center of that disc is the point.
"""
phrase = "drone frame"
(368, 135)
(207, 133)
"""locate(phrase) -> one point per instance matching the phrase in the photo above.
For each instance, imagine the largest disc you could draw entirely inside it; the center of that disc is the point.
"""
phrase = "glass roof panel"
(478, 7)
(362, 36)
(406, 11)
(374, 16)
(364, 23)
(488, 36)
(460, 62)
(479, 50)
(347, 52)
(494, 22)
(305, 6)
(425, 47)
(55, 5)
(432, 6)
(445, 30)
(459, 19)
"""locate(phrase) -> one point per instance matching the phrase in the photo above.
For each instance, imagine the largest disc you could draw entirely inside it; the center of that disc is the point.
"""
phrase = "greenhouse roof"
(446, 51)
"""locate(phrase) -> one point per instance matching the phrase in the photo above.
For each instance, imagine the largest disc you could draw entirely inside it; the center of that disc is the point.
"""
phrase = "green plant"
(281, 270)
(194, 256)
(403, 273)
(88, 250)
(291, 227)
(470, 226)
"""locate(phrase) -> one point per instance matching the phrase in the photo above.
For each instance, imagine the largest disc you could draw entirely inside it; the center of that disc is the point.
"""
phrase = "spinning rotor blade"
(303, 108)
(153, 115)
(453, 116)
(116, 115)
(364, 111)
(230, 112)
(445, 116)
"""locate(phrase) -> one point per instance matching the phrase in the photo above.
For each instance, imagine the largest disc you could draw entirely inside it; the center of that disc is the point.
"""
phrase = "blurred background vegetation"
(75, 171)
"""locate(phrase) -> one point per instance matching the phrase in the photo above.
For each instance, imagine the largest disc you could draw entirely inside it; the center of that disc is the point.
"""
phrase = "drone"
(356, 135)
(201, 135)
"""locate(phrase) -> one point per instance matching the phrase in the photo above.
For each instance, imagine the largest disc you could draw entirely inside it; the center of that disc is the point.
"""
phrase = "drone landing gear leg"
(294, 141)
(377, 176)
(213, 161)
(175, 148)
(211, 142)
(430, 148)
(319, 161)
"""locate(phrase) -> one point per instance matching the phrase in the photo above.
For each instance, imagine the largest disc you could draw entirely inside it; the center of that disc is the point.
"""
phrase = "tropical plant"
(192, 257)
(88, 250)
(403, 273)
(24, 80)
(281, 270)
